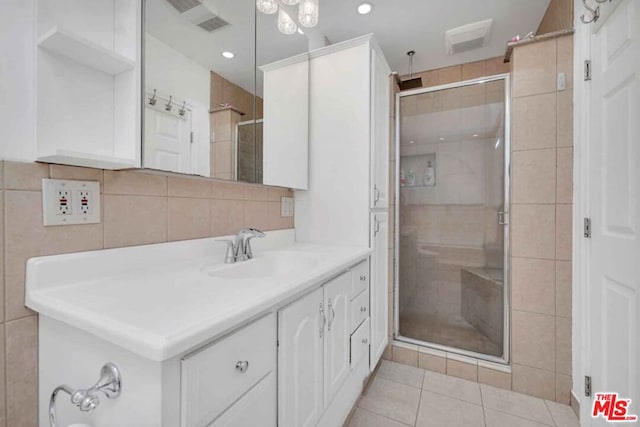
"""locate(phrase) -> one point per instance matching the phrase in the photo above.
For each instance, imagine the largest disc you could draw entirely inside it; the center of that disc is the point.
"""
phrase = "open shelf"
(76, 158)
(83, 51)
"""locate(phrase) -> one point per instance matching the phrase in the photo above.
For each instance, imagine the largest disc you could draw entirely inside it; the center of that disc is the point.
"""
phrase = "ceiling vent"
(468, 37)
(201, 13)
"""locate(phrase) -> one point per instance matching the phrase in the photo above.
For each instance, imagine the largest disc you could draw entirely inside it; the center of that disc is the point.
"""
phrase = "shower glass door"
(452, 239)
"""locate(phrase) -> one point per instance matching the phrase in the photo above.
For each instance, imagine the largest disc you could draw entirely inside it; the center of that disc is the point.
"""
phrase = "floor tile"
(437, 410)
(452, 387)
(563, 415)
(363, 418)
(518, 404)
(404, 374)
(392, 400)
(500, 419)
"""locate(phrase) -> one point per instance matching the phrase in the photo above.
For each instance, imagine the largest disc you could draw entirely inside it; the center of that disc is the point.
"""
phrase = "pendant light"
(308, 13)
(290, 2)
(286, 25)
(267, 6)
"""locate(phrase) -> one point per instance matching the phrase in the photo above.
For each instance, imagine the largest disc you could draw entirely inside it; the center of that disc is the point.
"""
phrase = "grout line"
(383, 416)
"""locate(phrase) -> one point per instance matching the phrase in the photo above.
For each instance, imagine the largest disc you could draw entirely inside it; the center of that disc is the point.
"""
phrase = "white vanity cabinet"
(380, 292)
(286, 123)
(316, 343)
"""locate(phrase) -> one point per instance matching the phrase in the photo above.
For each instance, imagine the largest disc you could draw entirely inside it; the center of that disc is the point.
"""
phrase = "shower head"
(411, 83)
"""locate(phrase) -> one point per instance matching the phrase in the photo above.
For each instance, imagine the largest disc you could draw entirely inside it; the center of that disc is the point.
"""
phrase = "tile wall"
(542, 192)
(137, 208)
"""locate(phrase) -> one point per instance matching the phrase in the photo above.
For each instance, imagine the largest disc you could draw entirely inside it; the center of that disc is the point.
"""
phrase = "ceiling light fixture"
(308, 13)
(365, 8)
(300, 31)
(475, 135)
(228, 55)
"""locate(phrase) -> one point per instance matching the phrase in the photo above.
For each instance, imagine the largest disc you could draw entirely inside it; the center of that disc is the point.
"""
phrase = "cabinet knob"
(363, 278)
(363, 309)
(242, 366)
(365, 341)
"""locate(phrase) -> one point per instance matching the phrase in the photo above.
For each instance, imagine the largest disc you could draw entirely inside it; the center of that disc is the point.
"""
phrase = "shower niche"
(451, 242)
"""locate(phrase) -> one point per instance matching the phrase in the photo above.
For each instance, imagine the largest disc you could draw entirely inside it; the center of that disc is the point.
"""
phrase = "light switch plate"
(286, 206)
(67, 202)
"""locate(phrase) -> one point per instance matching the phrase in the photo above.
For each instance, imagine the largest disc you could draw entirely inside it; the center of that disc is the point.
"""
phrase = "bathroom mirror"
(203, 85)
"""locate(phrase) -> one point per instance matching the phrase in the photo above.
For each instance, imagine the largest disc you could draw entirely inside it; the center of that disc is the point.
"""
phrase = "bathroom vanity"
(282, 339)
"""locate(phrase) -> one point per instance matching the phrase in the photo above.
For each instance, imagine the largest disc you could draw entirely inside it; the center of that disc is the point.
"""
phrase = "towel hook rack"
(168, 105)
(595, 13)
(183, 109)
(153, 99)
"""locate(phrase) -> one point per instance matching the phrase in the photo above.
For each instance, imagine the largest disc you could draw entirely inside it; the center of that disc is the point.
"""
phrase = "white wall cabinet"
(380, 131)
(349, 138)
(286, 123)
(379, 290)
(88, 75)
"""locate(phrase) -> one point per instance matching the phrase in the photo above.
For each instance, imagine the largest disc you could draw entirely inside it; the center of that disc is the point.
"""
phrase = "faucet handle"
(231, 255)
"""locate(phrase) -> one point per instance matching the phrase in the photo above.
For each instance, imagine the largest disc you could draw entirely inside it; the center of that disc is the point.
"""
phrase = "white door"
(380, 136)
(338, 333)
(300, 336)
(379, 287)
(614, 203)
(167, 141)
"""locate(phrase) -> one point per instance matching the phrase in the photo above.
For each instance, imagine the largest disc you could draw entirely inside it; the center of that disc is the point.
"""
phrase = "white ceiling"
(399, 26)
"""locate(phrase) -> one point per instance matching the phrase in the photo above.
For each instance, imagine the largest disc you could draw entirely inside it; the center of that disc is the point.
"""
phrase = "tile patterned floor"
(401, 396)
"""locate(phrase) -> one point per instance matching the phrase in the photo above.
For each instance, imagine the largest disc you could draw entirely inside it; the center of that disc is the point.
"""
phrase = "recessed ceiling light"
(365, 8)
(300, 31)
(228, 55)
(475, 135)
(412, 142)
(441, 139)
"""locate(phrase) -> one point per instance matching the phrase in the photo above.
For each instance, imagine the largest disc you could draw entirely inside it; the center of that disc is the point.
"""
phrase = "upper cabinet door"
(336, 344)
(379, 288)
(380, 131)
(300, 336)
(286, 123)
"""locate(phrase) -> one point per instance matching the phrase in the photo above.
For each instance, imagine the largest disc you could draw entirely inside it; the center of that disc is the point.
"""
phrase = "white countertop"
(160, 301)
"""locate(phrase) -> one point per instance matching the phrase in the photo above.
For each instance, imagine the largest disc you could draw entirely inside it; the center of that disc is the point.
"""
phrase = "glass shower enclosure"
(452, 146)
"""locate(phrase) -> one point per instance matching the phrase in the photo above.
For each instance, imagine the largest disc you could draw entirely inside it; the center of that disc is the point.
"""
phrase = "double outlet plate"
(67, 202)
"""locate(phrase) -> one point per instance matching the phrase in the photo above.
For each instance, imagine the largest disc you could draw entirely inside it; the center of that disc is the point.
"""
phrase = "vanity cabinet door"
(379, 290)
(256, 408)
(300, 364)
(338, 330)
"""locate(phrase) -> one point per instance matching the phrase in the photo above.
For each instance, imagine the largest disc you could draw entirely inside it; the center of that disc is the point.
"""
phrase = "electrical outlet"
(66, 202)
(84, 202)
(286, 206)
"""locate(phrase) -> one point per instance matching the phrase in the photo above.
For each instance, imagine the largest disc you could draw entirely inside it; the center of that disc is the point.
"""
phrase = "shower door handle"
(503, 218)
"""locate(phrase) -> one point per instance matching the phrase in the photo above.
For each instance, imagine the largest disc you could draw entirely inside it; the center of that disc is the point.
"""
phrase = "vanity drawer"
(217, 375)
(359, 310)
(360, 343)
(359, 278)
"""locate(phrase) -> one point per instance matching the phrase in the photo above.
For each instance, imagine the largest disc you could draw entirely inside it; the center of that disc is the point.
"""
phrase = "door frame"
(506, 340)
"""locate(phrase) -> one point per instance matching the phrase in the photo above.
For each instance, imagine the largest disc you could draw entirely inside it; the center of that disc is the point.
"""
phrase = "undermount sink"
(267, 265)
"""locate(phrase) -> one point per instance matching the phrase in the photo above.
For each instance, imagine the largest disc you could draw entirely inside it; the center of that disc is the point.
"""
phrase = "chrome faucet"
(240, 249)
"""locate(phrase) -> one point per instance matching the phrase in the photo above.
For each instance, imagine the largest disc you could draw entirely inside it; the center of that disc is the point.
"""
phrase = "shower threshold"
(454, 350)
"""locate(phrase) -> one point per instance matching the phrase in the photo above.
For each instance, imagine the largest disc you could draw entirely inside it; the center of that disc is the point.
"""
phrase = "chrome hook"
(595, 13)
(168, 105)
(153, 100)
(183, 110)
(603, 1)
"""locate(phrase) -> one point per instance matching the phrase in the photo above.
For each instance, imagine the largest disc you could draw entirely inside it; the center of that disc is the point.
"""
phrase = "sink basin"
(273, 265)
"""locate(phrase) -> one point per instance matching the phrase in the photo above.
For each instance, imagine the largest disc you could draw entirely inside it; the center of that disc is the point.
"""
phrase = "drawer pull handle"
(363, 278)
(365, 341)
(363, 309)
(242, 366)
